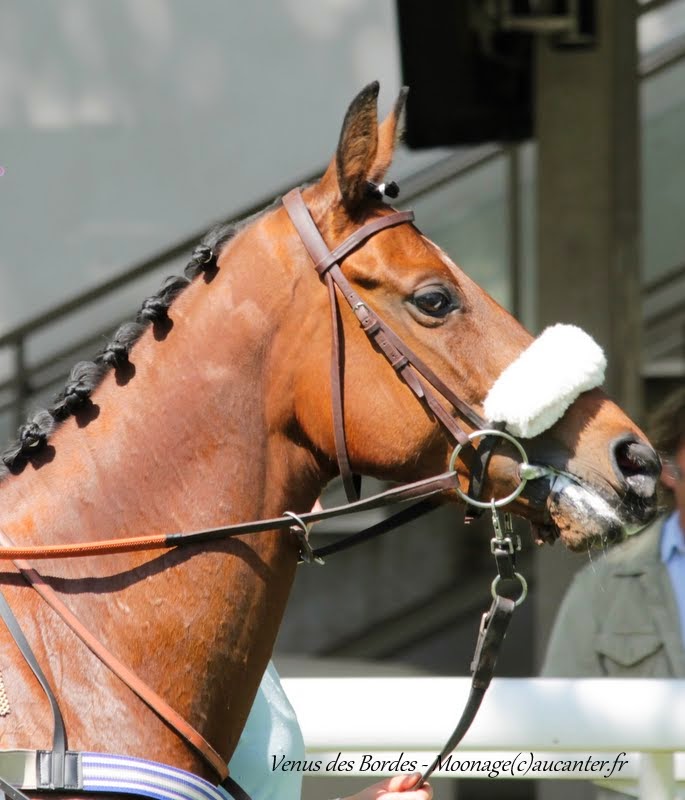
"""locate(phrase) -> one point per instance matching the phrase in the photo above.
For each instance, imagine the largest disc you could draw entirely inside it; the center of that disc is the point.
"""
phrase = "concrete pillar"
(588, 221)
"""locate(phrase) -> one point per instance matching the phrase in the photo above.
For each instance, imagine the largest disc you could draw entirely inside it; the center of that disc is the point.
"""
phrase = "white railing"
(628, 734)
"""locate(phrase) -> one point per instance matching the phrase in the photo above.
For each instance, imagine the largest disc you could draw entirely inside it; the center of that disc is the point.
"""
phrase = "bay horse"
(219, 411)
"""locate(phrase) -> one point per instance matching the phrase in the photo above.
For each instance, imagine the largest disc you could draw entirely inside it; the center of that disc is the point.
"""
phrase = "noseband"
(413, 371)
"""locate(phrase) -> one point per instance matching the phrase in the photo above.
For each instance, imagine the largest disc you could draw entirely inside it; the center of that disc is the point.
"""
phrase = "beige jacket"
(619, 617)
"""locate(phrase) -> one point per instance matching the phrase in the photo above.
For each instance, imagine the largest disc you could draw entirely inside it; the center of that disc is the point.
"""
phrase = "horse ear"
(357, 146)
(389, 134)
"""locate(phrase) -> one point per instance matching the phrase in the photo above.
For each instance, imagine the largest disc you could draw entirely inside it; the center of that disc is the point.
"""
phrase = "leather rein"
(423, 382)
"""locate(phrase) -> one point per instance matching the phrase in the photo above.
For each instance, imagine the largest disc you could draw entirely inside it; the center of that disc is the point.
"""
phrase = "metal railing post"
(21, 387)
(657, 776)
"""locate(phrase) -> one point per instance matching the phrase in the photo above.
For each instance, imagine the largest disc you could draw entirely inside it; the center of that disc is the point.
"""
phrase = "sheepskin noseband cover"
(534, 391)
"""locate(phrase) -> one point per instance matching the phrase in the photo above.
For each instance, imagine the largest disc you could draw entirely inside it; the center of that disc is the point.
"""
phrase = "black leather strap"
(56, 768)
(234, 790)
(492, 632)
(478, 469)
(418, 490)
(399, 518)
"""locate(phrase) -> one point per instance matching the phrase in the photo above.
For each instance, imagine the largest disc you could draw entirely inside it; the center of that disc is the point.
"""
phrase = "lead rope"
(493, 629)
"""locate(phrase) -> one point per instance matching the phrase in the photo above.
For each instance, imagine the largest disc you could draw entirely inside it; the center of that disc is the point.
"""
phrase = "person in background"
(624, 615)
(272, 733)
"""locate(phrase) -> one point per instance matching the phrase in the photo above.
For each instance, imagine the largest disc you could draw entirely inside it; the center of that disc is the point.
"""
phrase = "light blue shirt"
(673, 556)
(270, 733)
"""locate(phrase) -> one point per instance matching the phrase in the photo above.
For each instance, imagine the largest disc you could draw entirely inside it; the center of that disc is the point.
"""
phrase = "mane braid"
(86, 376)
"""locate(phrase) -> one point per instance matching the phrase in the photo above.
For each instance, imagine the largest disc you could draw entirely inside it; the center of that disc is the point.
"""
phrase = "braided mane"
(86, 376)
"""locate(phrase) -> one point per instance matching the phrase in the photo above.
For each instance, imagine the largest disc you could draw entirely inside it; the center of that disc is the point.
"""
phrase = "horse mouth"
(544, 533)
(583, 516)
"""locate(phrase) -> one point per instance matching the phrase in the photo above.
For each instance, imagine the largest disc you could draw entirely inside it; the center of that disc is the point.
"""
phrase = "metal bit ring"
(503, 501)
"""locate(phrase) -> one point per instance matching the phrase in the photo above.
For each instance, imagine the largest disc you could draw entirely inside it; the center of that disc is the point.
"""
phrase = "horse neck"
(188, 442)
(189, 436)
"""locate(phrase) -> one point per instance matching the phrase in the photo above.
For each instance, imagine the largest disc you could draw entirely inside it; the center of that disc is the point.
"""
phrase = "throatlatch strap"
(351, 482)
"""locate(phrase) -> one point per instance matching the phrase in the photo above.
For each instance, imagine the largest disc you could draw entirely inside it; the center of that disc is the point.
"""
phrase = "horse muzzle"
(583, 512)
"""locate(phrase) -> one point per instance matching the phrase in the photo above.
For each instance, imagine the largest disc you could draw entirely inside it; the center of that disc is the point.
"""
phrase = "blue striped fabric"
(128, 775)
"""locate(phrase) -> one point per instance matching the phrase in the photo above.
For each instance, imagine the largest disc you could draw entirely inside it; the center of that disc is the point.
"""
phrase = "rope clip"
(301, 530)
(505, 541)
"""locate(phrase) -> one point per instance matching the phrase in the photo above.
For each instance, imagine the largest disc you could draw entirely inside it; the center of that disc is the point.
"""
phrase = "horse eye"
(436, 301)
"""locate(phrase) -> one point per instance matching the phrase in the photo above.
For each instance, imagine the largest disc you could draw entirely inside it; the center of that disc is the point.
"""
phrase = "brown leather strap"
(405, 362)
(105, 547)
(318, 250)
(358, 237)
(494, 625)
(398, 353)
(417, 490)
(163, 710)
(321, 256)
(351, 484)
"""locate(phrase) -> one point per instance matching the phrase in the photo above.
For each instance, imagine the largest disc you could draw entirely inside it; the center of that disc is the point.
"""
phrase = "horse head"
(599, 473)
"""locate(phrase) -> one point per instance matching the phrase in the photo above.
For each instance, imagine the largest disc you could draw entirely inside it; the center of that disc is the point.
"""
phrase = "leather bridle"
(416, 374)
(413, 371)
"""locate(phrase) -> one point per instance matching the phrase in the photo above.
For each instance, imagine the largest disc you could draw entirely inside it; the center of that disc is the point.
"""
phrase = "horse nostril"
(637, 464)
